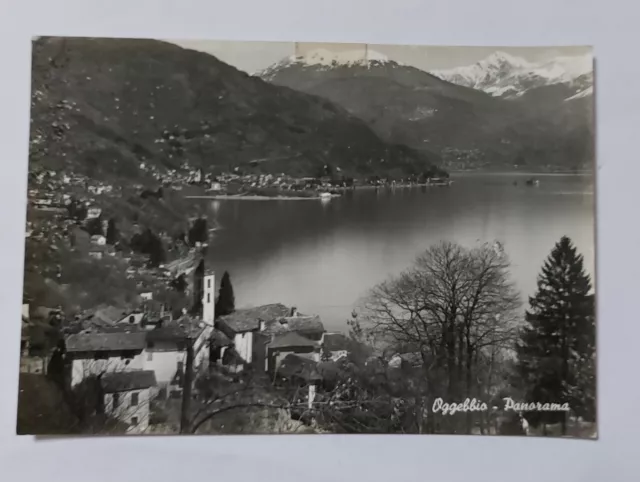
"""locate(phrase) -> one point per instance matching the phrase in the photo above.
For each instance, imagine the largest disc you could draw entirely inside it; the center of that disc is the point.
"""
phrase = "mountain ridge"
(112, 104)
(469, 128)
(502, 74)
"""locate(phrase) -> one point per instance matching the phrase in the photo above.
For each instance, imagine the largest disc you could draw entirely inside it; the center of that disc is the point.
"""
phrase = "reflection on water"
(323, 256)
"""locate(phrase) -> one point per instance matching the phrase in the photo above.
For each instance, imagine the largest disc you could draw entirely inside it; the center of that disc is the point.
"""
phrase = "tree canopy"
(556, 351)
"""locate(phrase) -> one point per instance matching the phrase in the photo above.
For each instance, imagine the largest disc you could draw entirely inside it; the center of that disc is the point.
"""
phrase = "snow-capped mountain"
(504, 75)
(467, 127)
(321, 59)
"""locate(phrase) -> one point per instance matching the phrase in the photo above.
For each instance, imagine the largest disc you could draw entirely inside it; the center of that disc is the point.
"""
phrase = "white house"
(127, 397)
(96, 353)
(240, 331)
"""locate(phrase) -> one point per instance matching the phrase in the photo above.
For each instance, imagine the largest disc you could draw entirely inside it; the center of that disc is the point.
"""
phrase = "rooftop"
(108, 314)
(290, 340)
(176, 331)
(82, 342)
(127, 380)
(303, 323)
(219, 339)
(249, 319)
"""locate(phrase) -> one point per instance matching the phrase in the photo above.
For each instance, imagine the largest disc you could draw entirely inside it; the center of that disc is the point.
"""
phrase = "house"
(288, 343)
(107, 316)
(94, 353)
(241, 325)
(127, 397)
(309, 326)
(166, 352)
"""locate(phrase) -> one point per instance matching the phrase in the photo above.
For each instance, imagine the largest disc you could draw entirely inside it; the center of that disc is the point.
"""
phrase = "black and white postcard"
(276, 238)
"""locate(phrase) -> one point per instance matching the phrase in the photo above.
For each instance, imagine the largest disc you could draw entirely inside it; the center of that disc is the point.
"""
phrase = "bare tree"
(451, 306)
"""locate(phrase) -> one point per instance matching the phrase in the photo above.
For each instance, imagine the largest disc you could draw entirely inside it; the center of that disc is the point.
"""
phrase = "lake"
(322, 257)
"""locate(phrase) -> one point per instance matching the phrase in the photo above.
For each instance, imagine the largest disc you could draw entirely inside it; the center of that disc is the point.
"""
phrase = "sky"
(254, 56)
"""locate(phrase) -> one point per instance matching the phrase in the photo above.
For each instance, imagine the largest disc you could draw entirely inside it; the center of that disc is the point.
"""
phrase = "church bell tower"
(209, 297)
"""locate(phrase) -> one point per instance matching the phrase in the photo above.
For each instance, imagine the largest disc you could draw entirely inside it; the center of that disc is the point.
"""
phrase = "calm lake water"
(323, 257)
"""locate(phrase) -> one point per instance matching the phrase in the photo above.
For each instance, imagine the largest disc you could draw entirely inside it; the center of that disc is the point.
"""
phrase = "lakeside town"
(130, 320)
(138, 359)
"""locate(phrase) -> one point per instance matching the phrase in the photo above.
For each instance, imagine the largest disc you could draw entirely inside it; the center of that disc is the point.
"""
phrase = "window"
(134, 421)
(149, 356)
(208, 297)
(134, 399)
(116, 400)
(132, 319)
(209, 283)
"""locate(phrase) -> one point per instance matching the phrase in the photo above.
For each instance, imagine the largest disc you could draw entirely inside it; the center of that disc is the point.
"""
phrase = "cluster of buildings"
(140, 356)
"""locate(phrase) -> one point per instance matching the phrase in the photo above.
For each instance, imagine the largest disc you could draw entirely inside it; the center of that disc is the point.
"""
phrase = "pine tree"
(557, 348)
(226, 303)
(112, 232)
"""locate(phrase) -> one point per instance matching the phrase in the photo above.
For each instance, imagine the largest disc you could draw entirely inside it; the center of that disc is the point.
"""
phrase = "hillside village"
(142, 353)
(138, 352)
(143, 358)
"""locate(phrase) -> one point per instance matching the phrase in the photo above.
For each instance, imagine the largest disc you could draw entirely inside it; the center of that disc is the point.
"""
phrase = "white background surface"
(610, 25)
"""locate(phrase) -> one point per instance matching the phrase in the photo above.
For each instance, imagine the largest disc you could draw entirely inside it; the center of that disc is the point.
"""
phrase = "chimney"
(294, 311)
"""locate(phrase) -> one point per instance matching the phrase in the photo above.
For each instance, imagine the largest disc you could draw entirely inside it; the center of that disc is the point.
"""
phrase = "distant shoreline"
(252, 197)
(526, 173)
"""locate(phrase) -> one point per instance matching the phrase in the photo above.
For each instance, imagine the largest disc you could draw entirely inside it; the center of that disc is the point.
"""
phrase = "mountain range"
(109, 106)
(505, 75)
(501, 112)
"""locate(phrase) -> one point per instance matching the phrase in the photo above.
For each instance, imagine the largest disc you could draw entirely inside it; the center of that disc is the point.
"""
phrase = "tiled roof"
(249, 319)
(290, 340)
(106, 341)
(127, 380)
(219, 339)
(302, 323)
(176, 331)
